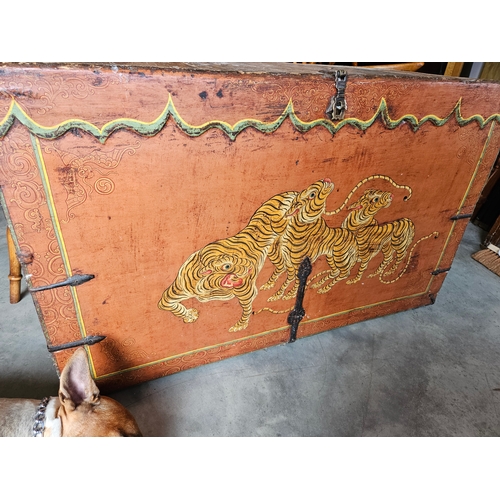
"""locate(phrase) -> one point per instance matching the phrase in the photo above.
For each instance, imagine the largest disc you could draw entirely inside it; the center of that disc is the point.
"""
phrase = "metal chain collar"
(39, 425)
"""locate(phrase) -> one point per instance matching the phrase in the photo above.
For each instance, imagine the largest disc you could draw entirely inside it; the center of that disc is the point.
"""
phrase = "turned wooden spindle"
(15, 271)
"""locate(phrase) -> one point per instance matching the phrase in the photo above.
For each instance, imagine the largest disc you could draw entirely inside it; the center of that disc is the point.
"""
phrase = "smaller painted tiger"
(389, 238)
(362, 215)
(364, 210)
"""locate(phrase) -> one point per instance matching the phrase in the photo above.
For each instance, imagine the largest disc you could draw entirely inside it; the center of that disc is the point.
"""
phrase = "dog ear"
(76, 384)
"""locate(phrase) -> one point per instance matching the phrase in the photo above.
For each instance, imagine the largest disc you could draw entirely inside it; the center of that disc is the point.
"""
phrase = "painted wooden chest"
(183, 198)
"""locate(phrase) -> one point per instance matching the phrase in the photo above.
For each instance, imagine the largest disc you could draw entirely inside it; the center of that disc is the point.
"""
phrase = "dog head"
(83, 411)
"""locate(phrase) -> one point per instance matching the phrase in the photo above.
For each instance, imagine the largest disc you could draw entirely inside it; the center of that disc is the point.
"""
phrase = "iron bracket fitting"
(297, 313)
(75, 280)
(90, 340)
(461, 216)
(440, 271)
(338, 105)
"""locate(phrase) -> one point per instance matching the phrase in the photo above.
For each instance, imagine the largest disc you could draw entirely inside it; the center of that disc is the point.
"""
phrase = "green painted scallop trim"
(152, 128)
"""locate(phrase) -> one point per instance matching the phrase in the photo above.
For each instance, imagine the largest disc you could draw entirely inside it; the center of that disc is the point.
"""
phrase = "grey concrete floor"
(426, 372)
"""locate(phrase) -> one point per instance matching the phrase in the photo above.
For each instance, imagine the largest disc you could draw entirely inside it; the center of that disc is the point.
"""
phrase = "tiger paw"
(241, 325)
(290, 295)
(267, 286)
(320, 282)
(191, 316)
(275, 297)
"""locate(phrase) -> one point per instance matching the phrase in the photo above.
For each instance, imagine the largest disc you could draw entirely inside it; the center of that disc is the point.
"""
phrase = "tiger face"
(372, 201)
(310, 203)
(363, 211)
(226, 271)
(219, 271)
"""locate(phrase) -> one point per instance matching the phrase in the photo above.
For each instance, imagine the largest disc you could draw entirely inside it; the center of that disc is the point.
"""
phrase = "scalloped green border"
(152, 128)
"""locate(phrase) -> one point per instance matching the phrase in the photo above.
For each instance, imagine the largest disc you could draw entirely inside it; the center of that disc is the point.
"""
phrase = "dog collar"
(39, 425)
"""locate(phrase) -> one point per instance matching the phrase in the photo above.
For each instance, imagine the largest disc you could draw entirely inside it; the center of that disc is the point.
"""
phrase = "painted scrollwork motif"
(104, 186)
(364, 99)
(24, 192)
(469, 149)
(310, 103)
(58, 87)
(125, 351)
(36, 219)
(57, 304)
(219, 353)
(40, 95)
(19, 171)
(11, 89)
(82, 176)
(16, 157)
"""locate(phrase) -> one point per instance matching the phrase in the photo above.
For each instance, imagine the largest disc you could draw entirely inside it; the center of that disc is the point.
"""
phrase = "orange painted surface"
(133, 209)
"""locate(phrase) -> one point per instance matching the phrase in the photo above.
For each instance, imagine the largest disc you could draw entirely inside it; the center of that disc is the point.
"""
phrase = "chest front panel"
(192, 195)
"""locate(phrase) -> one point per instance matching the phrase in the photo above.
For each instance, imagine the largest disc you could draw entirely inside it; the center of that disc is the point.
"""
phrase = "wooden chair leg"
(15, 271)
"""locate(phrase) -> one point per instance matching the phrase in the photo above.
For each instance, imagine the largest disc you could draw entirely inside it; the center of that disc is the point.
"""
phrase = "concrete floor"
(427, 372)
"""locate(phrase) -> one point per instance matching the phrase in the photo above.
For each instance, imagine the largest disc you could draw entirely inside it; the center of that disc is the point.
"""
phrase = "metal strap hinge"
(297, 313)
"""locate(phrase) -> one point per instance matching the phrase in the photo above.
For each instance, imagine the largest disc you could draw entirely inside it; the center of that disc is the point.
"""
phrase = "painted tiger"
(307, 234)
(389, 238)
(362, 214)
(365, 209)
(228, 268)
(371, 238)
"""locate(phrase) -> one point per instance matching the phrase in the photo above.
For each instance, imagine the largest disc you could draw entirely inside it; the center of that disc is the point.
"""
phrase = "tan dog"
(78, 411)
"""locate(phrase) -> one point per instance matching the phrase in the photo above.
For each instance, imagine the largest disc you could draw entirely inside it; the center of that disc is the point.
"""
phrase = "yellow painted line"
(188, 353)
(262, 334)
(481, 157)
(369, 306)
(58, 233)
(50, 202)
